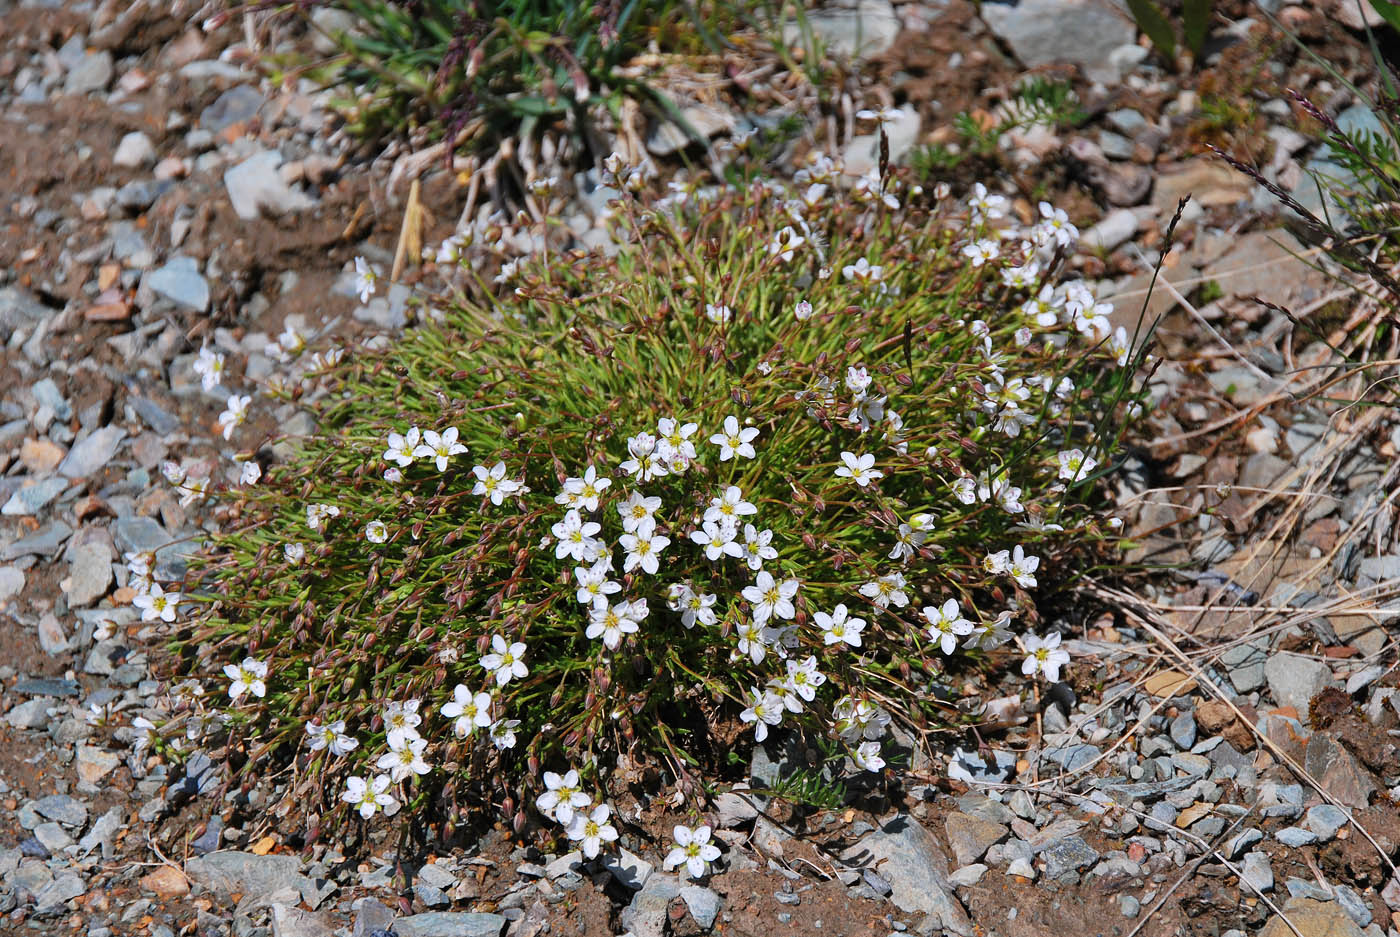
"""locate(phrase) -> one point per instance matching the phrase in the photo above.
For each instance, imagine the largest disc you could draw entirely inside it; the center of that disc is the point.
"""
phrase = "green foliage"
(1038, 100)
(1157, 25)
(1047, 101)
(581, 355)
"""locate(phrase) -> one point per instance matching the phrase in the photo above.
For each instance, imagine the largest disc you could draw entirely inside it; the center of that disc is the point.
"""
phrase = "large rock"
(1294, 680)
(1079, 32)
(1337, 772)
(862, 154)
(92, 453)
(450, 924)
(230, 872)
(1312, 918)
(970, 837)
(180, 282)
(907, 856)
(851, 30)
(255, 186)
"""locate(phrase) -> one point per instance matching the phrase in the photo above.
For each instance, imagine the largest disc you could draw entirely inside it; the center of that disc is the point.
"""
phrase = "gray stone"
(54, 837)
(371, 915)
(1183, 731)
(46, 392)
(1128, 906)
(1257, 871)
(51, 637)
(20, 308)
(1294, 680)
(646, 915)
(141, 194)
(732, 809)
(702, 903)
(92, 453)
(1295, 836)
(1045, 32)
(135, 151)
(1325, 820)
(102, 833)
(970, 837)
(908, 857)
(668, 136)
(31, 714)
(34, 497)
(255, 185)
(92, 72)
(1352, 904)
(230, 871)
(430, 895)
(140, 534)
(295, 922)
(631, 871)
(55, 896)
(1337, 772)
(450, 924)
(862, 29)
(234, 106)
(46, 686)
(180, 282)
(1071, 757)
(1068, 855)
(968, 875)
(1242, 841)
(155, 416)
(862, 154)
(90, 573)
(1246, 664)
(64, 809)
(436, 875)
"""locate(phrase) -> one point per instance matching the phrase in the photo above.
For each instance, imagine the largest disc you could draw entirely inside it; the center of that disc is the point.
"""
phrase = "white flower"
(859, 468)
(505, 661)
(503, 733)
(210, 367)
(365, 279)
(637, 509)
(582, 493)
(147, 734)
(157, 603)
(714, 538)
(886, 590)
(247, 677)
(1075, 465)
(400, 448)
(1121, 346)
(693, 606)
(729, 507)
(492, 483)
(1044, 655)
(765, 709)
(472, 711)
(771, 599)
(733, 441)
(401, 721)
(646, 462)
(594, 586)
(235, 412)
(867, 757)
(884, 115)
(965, 489)
(195, 489)
(786, 243)
(376, 532)
(173, 472)
(838, 626)
(859, 719)
(1022, 568)
(331, 735)
(907, 539)
(439, 447)
(980, 252)
(755, 548)
(693, 850)
(562, 799)
(862, 272)
(803, 311)
(294, 553)
(997, 563)
(719, 314)
(592, 830)
(1055, 228)
(985, 207)
(575, 537)
(371, 797)
(611, 622)
(249, 473)
(753, 641)
(946, 625)
(318, 514)
(405, 761)
(804, 678)
(643, 548)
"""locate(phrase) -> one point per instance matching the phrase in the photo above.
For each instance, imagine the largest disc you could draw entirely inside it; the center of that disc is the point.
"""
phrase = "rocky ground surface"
(1223, 760)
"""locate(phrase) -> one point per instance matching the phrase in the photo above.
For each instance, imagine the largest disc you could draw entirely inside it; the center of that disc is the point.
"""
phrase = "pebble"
(255, 186)
(913, 865)
(1183, 731)
(236, 105)
(90, 574)
(1128, 906)
(34, 497)
(970, 837)
(64, 809)
(179, 281)
(92, 453)
(702, 903)
(1068, 855)
(1242, 841)
(1294, 680)
(1325, 820)
(968, 875)
(135, 151)
(1257, 872)
(93, 72)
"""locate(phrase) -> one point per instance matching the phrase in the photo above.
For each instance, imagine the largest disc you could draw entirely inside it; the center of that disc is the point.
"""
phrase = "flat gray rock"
(234, 106)
(450, 924)
(907, 856)
(230, 871)
(180, 282)
(45, 541)
(255, 186)
(1078, 32)
(93, 72)
(853, 30)
(1294, 680)
(92, 453)
(34, 497)
(64, 809)
(970, 837)
(90, 573)
(294, 922)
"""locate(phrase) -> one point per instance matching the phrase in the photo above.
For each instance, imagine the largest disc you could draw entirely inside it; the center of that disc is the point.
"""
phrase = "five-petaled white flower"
(1022, 568)
(247, 677)
(804, 678)
(575, 537)
(405, 761)
(867, 757)
(636, 509)
(365, 279)
(1044, 655)
(582, 493)
(376, 532)
(155, 603)
(693, 850)
(946, 624)
(401, 447)
(862, 272)
(368, 798)
(839, 627)
(492, 483)
(401, 722)
(249, 473)
(318, 514)
(859, 468)
(755, 549)
(294, 553)
(210, 367)
(786, 243)
(765, 709)
(591, 830)
(715, 538)
(503, 733)
(643, 548)
(729, 507)
(471, 711)
(234, 414)
(562, 798)
(331, 735)
(673, 440)
(693, 606)
(439, 447)
(770, 598)
(505, 660)
(1075, 466)
(886, 590)
(594, 586)
(734, 441)
(612, 622)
